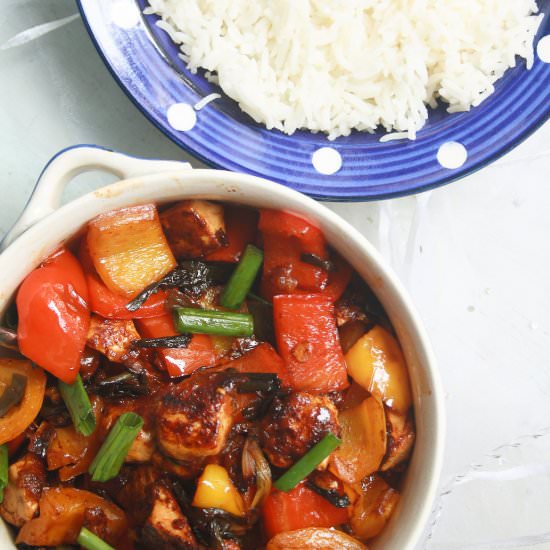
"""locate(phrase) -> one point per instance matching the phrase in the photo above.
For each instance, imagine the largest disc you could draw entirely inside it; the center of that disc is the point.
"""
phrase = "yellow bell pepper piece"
(376, 362)
(216, 490)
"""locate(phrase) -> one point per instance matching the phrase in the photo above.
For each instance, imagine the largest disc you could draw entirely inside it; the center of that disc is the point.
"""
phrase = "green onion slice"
(112, 453)
(217, 323)
(88, 540)
(307, 463)
(79, 406)
(242, 279)
(13, 393)
(3, 470)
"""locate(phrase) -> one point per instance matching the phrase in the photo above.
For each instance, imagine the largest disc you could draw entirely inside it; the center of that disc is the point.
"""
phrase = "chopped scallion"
(88, 540)
(3, 470)
(217, 323)
(112, 453)
(79, 406)
(242, 279)
(307, 463)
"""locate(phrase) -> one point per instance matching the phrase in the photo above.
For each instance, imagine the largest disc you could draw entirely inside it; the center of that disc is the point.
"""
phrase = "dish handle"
(69, 163)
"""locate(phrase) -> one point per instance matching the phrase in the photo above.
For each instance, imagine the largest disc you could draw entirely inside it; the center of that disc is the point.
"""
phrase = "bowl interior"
(36, 243)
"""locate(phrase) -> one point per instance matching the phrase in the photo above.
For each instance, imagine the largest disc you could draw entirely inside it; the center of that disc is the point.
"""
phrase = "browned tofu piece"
(112, 337)
(401, 438)
(143, 446)
(136, 495)
(294, 424)
(194, 228)
(26, 479)
(167, 528)
(195, 417)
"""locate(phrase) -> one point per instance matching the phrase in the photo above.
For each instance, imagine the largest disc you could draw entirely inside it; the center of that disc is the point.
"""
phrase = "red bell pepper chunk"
(241, 227)
(298, 509)
(53, 315)
(339, 279)
(307, 339)
(286, 225)
(262, 358)
(112, 306)
(286, 238)
(178, 361)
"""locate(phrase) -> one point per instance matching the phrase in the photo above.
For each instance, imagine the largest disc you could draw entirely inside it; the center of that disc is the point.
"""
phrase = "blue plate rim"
(454, 175)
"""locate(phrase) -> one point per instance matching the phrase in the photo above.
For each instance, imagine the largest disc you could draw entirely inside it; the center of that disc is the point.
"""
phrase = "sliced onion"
(255, 464)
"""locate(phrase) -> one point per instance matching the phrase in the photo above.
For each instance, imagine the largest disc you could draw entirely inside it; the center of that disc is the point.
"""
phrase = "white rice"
(337, 65)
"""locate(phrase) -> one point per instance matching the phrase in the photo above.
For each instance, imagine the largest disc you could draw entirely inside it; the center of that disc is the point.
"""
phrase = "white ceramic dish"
(45, 224)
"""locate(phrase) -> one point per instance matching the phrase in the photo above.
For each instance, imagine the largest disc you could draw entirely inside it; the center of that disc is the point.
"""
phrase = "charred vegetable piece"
(19, 417)
(3, 470)
(125, 384)
(13, 394)
(179, 361)
(330, 487)
(376, 362)
(168, 342)
(8, 338)
(190, 276)
(320, 539)
(243, 278)
(88, 540)
(78, 403)
(308, 341)
(262, 312)
(363, 441)
(317, 261)
(298, 509)
(373, 508)
(53, 315)
(308, 463)
(218, 323)
(240, 229)
(110, 458)
(129, 249)
(261, 359)
(216, 490)
(194, 228)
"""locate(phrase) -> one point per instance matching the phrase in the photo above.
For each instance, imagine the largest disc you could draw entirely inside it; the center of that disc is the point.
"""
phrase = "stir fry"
(200, 375)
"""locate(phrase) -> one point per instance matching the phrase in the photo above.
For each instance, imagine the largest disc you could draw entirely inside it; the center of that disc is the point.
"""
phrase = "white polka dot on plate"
(326, 161)
(125, 14)
(182, 117)
(452, 155)
(543, 49)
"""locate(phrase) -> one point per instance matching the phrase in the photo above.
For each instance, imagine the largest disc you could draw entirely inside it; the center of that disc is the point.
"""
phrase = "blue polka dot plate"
(146, 64)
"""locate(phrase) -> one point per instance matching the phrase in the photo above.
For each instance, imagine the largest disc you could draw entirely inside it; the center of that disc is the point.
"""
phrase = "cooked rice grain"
(337, 65)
